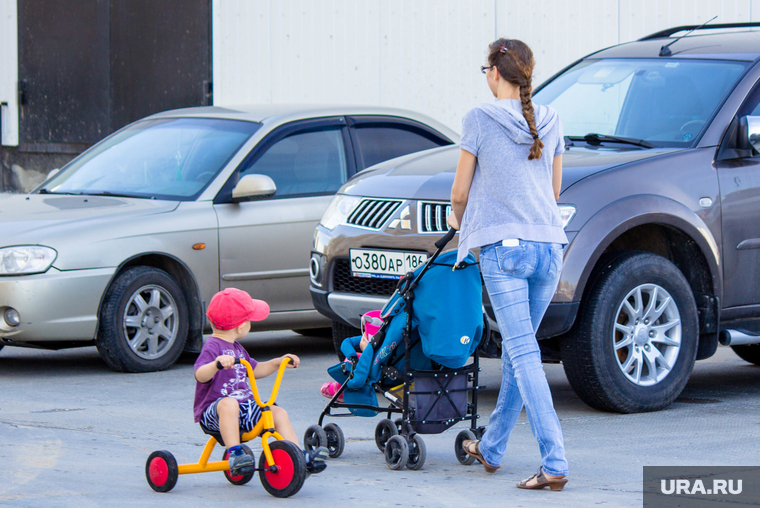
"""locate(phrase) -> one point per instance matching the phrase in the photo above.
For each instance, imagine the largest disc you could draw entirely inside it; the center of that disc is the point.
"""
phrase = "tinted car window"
(378, 143)
(311, 162)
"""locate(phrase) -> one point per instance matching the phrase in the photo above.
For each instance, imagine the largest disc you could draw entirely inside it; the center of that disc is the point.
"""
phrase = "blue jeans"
(521, 281)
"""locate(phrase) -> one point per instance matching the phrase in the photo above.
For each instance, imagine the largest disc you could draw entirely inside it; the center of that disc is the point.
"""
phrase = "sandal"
(330, 389)
(474, 451)
(542, 481)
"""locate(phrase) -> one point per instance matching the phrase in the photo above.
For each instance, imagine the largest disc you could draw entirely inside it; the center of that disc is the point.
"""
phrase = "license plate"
(384, 264)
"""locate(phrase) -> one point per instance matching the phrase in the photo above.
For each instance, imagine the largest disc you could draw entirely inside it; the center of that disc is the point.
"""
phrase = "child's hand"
(294, 360)
(227, 361)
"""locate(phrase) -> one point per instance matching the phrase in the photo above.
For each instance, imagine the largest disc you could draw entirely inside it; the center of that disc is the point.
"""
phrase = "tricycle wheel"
(417, 453)
(396, 452)
(462, 456)
(313, 438)
(161, 471)
(385, 430)
(290, 471)
(336, 441)
(243, 478)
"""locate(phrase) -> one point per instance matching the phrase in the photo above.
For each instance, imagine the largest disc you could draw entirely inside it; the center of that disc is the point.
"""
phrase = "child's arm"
(263, 369)
(206, 373)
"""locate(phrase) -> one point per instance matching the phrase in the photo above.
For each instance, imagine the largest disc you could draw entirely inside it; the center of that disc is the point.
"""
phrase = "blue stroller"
(431, 326)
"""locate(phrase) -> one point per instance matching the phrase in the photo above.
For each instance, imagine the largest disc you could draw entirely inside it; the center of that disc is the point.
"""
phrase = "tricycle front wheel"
(290, 472)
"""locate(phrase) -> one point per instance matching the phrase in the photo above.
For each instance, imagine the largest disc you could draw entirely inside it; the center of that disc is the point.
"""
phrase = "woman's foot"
(472, 448)
(541, 480)
(330, 389)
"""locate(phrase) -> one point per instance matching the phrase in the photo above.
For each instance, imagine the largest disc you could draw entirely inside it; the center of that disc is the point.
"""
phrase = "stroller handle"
(446, 239)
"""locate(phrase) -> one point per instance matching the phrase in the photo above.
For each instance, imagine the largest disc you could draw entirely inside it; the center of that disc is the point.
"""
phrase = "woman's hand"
(452, 221)
(294, 360)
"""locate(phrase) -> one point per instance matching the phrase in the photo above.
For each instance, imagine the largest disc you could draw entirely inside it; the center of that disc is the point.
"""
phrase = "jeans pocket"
(512, 260)
(555, 264)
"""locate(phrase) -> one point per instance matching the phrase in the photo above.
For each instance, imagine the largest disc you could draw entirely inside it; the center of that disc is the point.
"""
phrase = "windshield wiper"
(113, 194)
(595, 139)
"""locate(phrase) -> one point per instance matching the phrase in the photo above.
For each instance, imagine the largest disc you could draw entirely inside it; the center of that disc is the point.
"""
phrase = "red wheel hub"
(285, 470)
(159, 471)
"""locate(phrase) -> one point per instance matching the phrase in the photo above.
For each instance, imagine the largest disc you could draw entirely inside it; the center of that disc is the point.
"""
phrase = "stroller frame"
(398, 440)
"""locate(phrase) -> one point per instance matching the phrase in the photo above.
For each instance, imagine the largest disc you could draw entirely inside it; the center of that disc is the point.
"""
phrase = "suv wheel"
(143, 321)
(341, 332)
(749, 353)
(635, 340)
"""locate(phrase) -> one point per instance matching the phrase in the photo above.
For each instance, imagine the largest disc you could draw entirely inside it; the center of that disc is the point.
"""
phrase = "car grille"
(432, 217)
(344, 282)
(373, 213)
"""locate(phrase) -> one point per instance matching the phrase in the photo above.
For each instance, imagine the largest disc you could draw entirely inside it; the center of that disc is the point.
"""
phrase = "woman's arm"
(460, 191)
(557, 175)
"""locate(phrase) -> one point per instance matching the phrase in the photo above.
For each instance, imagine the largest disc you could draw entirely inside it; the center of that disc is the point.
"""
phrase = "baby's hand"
(363, 343)
(226, 361)
(294, 360)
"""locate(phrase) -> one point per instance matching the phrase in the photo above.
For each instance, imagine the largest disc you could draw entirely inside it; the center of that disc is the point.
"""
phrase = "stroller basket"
(440, 398)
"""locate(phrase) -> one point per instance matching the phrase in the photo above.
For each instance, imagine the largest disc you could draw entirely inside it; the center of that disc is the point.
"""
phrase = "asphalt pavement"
(74, 433)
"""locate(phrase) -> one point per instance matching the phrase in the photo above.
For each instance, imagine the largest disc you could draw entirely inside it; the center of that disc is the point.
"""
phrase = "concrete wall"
(419, 54)
(8, 73)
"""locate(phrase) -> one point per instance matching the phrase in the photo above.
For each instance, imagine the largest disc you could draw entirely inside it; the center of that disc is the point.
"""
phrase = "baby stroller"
(431, 326)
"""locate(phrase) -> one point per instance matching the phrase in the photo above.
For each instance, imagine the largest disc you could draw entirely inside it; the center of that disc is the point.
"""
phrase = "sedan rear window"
(172, 158)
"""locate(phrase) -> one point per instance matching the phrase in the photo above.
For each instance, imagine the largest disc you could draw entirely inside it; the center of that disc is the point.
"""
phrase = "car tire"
(127, 338)
(615, 341)
(749, 353)
(341, 332)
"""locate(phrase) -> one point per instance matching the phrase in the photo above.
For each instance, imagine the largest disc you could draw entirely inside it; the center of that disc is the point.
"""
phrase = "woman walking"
(504, 196)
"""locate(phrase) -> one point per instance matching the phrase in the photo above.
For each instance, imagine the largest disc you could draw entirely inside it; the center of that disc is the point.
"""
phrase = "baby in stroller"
(371, 322)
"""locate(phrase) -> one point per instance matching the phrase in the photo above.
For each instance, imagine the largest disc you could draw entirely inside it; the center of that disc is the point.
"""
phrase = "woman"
(504, 196)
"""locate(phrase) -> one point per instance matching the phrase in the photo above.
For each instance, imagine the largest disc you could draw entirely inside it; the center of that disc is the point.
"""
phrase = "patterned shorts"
(250, 414)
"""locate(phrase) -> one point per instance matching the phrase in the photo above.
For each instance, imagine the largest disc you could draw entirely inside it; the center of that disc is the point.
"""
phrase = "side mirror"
(253, 187)
(52, 173)
(749, 133)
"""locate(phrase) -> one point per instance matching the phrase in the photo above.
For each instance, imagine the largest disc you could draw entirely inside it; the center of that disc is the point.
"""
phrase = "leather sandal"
(474, 451)
(542, 481)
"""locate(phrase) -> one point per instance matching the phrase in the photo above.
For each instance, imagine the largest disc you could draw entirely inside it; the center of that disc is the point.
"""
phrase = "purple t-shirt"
(226, 382)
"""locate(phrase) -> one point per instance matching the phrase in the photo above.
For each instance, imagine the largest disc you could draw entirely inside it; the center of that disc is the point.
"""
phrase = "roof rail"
(670, 31)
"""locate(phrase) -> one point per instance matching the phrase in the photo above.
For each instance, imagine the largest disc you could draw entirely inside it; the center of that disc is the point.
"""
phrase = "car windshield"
(171, 158)
(663, 102)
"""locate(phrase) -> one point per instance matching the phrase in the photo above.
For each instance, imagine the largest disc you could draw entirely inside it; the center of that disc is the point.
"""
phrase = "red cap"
(232, 307)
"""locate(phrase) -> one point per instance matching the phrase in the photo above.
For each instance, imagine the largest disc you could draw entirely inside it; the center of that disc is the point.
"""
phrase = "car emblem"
(402, 220)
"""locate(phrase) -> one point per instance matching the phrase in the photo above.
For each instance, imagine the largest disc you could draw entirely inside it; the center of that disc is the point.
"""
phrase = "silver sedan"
(125, 245)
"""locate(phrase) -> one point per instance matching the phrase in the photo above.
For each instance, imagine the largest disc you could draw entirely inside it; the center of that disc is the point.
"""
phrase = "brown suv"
(660, 200)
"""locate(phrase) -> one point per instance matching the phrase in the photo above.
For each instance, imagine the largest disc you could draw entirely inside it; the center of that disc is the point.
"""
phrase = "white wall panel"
(8, 73)
(419, 54)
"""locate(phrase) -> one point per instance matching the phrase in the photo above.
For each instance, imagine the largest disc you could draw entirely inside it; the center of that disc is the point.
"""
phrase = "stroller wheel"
(243, 478)
(417, 453)
(396, 452)
(462, 457)
(291, 469)
(336, 442)
(385, 430)
(161, 471)
(399, 424)
(314, 437)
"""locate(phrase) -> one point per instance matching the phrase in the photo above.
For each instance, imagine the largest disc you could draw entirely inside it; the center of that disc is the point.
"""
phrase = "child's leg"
(228, 410)
(282, 424)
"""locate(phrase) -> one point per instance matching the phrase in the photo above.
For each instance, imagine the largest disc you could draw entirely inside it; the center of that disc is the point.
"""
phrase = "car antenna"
(665, 50)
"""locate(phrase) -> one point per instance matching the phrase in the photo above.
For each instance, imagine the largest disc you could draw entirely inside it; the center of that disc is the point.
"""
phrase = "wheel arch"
(182, 274)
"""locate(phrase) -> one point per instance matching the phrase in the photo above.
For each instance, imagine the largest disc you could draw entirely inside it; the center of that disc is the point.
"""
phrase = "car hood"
(430, 174)
(41, 218)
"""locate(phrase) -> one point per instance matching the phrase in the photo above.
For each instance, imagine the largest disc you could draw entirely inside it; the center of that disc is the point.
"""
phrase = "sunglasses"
(484, 68)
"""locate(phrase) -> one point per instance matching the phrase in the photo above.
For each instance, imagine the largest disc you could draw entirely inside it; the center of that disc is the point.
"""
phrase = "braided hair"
(514, 60)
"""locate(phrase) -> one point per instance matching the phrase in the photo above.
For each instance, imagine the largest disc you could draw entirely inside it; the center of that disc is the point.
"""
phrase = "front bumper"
(53, 306)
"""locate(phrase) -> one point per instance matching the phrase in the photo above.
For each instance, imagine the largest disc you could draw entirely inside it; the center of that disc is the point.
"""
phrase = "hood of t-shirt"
(508, 114)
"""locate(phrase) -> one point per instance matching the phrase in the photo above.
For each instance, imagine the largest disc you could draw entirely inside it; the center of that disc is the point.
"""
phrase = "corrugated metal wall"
(8, 73)
(419, 54)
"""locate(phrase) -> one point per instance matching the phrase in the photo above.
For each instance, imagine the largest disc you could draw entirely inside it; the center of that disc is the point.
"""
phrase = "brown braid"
(514, 61)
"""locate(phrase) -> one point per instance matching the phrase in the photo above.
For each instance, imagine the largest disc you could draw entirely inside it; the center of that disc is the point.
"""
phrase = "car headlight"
(26, 259)
(566, 212)
(339, 210)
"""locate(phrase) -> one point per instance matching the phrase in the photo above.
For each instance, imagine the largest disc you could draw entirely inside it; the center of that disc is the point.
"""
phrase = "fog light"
(12, 317)
(314, 270)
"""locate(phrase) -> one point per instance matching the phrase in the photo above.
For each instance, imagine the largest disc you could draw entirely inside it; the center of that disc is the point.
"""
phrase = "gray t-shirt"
(510, 196)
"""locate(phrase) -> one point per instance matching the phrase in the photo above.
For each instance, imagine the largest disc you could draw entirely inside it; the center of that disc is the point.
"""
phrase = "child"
(370, 325)
(223, 399)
